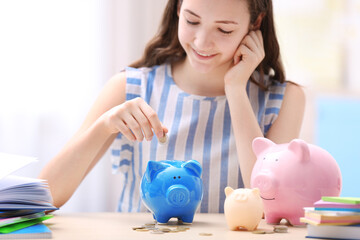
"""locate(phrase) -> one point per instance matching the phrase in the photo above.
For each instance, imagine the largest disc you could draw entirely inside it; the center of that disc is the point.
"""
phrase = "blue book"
(38, 231)
(338, 209)
(334, 232)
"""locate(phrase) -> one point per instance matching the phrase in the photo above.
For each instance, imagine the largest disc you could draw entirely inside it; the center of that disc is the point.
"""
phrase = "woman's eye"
(225, 32)
(192, 23)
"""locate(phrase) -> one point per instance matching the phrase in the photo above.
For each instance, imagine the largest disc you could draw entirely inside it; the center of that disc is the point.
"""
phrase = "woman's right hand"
(135, 119)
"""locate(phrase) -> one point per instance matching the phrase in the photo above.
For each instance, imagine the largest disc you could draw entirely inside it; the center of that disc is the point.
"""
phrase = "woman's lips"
(203, 56)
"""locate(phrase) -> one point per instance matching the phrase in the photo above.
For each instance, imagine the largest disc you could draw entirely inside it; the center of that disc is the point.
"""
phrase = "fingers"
(252, 46)
(153, 120)
(136, 120)
(256, 36)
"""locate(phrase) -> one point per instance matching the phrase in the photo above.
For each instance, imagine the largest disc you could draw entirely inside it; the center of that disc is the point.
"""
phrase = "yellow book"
(317, 223)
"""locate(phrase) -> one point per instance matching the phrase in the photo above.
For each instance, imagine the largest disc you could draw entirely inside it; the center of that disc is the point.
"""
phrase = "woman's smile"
(202, 55)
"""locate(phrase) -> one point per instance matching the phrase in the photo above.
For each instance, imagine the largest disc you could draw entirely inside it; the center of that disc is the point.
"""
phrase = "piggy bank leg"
(187, 219)
(161, 219)
(233, 227)
(252, 227)
(272, 219)
(295, 221)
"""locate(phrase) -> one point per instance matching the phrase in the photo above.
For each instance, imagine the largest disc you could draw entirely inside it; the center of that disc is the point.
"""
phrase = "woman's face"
(210, 31)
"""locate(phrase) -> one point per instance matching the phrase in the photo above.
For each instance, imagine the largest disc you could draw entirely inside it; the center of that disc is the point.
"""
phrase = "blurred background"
(55, 56)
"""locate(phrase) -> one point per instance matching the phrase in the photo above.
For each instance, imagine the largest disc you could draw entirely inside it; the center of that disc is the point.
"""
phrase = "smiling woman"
(56, 56)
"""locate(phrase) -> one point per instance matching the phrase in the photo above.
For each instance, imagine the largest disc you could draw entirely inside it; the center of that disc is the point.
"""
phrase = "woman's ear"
(257, 23)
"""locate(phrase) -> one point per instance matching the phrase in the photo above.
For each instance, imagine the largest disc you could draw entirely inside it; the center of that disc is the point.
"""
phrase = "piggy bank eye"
(264, 158)
(276, 159)
(179, 177)
(174, 177)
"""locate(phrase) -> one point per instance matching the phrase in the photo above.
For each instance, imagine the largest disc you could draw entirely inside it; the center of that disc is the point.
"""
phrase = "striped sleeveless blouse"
(199, 128)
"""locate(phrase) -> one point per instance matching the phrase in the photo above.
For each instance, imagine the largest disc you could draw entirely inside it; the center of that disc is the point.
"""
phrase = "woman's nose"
(203, 40)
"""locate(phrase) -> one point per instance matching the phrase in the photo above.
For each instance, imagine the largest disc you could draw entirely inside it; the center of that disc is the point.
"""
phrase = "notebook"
(21, 193)
(334, 232)
(38, 231)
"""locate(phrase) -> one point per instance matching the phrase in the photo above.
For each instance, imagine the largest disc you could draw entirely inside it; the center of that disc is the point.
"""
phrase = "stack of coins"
(280, 229)
(277, 229)
(154, 229)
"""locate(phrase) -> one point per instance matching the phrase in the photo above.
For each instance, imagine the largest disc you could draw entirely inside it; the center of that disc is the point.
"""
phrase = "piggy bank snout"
(177, 195)
(265, 182)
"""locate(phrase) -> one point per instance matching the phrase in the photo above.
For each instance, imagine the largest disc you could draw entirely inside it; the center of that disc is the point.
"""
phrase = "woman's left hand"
(247, 57)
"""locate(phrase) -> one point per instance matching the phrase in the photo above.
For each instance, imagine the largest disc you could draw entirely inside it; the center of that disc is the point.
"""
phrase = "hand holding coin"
(163, 139)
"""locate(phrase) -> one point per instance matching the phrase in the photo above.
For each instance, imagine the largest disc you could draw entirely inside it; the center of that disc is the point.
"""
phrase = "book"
(317, 223)
(10, 163)
(325, 204)
(23, 223)
(11, 220)
(349, 200)
(339, 209)
(21, 193)
(37, 231)
(331, 218)
(334, 232)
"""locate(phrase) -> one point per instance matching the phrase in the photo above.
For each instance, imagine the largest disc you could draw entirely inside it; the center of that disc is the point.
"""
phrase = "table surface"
(113, 225)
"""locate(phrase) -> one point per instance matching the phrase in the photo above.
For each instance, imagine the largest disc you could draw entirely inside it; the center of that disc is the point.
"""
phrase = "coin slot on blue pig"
(172, 189)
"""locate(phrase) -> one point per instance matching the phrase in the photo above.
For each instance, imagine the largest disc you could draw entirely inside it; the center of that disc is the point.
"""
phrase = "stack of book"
(334, 218)
(23, 201)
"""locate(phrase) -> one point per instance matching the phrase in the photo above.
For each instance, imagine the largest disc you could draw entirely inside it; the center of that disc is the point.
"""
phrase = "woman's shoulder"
(295, 92)
(132, 72)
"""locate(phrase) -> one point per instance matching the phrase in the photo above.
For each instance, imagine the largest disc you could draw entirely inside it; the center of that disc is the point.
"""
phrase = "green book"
(23, 224)
(349, 200)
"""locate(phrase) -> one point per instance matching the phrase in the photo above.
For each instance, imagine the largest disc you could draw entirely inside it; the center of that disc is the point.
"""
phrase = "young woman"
(212, 80)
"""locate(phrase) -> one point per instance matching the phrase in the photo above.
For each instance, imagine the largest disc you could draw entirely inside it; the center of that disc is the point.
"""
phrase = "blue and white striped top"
(199, 128)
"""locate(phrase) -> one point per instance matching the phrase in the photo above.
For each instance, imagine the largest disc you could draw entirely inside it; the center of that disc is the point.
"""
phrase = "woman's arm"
(65, 171)
(245, 126)
(285, 128)
(287, 125)
(110, 114)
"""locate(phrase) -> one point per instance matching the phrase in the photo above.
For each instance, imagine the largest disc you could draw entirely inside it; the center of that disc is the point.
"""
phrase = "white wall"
(55, 56)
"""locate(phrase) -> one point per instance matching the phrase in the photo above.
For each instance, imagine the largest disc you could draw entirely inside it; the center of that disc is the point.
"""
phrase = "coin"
(163, 139)
(258, 232)
(165, 229)
(157, 232)
(182, 229)
(142, 230)
(135, 228)
(205, 234)
(280, 229)
(170, 228)
(149, 224)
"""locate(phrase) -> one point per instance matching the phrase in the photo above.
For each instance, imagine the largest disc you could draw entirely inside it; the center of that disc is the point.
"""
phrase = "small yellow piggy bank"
(243, 208)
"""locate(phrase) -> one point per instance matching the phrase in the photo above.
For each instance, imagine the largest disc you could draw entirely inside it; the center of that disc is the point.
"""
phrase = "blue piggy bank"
(172, 188)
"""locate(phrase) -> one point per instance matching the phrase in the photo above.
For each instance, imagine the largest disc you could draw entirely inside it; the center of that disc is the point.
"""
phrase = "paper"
(9, 163)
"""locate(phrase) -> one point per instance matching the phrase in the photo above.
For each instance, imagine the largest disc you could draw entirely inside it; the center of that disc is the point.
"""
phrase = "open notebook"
(21, 193)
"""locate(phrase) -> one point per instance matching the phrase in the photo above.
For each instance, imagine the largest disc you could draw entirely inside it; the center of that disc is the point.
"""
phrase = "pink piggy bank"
(243, 208)
(292, 176)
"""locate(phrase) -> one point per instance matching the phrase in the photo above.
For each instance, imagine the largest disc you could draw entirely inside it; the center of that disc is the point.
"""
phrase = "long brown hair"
(165, 46)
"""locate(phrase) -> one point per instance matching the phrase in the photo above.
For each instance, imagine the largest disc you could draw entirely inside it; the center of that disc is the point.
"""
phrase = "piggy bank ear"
(300, 148)
(228, 191)
(256, 192)
(152, 168)
(193, 166)
(260, 144)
